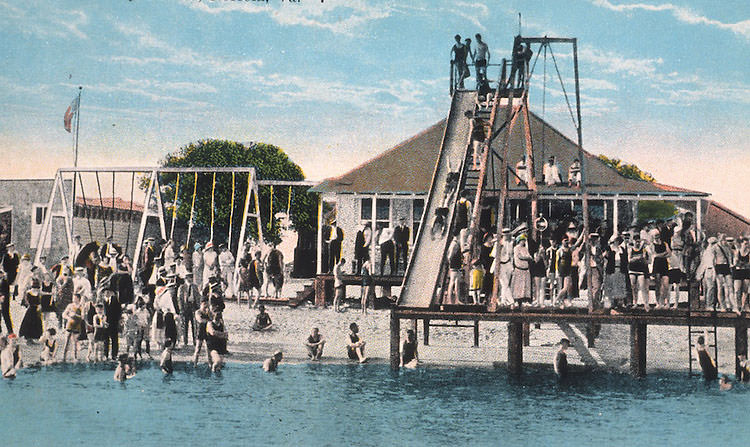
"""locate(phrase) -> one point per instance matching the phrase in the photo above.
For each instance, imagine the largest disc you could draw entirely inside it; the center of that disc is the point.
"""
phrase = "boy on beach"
(314, 345)
(355, 348)
(262, 320)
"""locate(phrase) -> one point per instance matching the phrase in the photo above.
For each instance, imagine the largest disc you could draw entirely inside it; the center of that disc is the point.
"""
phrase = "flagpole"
(75, 162)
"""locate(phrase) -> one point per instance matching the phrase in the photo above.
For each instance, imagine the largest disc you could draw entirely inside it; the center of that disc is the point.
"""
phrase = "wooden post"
(476, 333)
(615, 217)
(426, 325)
(590, 335)
(638, 349)
(740, 345)
(395, 341)
(515, 347)
(526, 333)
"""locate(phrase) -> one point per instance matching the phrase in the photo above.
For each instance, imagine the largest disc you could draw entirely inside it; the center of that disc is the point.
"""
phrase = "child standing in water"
(100, 332)
(166, 357)
(125, 368)
(73, 325)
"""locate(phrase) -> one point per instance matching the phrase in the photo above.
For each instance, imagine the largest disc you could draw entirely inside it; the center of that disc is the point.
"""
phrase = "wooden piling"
(526, 334)
(476, 333)
(740, 345)
(426, 332)
(395, 340)
(638, 349)
(515, 347)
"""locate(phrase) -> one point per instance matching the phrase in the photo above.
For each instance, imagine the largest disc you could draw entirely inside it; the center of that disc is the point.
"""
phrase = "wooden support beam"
(426, 328)
(476, 333)
(395, 341)
(526, 334)
(740, 345)
(515, 347)
(638, 349)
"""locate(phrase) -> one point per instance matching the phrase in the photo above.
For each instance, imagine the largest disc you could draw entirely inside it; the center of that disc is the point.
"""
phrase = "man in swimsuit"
(314, 345)
(708, 366)
(459, 53)
(481, 57)
(272, 363)
(409, 356)
(355, 348)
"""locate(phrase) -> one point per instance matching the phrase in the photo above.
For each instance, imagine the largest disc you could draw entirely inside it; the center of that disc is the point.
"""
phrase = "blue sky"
(665, 85)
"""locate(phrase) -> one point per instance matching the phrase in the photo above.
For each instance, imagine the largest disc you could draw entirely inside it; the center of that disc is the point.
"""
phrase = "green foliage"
(655, 209)
(627, 170)
(270, 162)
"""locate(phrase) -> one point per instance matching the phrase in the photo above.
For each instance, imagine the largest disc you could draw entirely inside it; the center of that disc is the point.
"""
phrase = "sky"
(664, 85)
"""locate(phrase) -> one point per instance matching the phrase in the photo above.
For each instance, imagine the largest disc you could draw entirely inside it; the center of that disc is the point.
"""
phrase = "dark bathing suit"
(354, 338)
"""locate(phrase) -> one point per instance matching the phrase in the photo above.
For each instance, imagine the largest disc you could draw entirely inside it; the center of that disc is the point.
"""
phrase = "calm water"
(318, 404)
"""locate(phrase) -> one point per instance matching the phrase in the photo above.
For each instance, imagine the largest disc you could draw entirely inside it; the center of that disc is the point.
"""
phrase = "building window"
(417, 209)
(365, 211)
(382, 213)
(38, 213)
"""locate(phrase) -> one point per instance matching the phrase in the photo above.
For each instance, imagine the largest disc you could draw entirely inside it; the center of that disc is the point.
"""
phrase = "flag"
(70, 113)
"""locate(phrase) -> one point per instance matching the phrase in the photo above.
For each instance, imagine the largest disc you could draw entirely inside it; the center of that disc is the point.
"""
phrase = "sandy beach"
(449, 346)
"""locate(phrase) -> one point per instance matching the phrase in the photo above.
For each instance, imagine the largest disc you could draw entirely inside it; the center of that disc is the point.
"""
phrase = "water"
(319, 404)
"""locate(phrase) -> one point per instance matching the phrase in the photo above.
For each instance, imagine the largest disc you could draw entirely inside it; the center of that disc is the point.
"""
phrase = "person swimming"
(708, 366)
(272, 363)
(724, 383)
(125, 368)
(561, 359)
(409, 356)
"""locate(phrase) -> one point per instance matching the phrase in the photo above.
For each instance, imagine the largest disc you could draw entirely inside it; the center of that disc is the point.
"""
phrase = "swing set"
(153, 206)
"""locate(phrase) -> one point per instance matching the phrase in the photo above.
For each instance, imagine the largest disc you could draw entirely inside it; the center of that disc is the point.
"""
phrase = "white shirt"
(483, 51)
(82, 286)
(551, 174)
(386, 234)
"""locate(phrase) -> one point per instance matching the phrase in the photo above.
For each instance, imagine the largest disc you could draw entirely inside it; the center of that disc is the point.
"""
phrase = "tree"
(626, 170)
(270, 162)
(647, 209)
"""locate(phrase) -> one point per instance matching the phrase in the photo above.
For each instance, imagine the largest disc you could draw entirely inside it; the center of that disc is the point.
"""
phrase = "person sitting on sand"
(708, 365)
(49, 346)
(355, 348)
(314, 345)
(409, 356)
(125, 368)
(262, 320)
(561, 359)
(166, 357)
(724, 383)
(272, 363)
(216, 341)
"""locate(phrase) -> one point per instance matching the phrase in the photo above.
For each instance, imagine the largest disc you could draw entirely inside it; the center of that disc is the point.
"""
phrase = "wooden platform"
(517, 319)
(324, 284)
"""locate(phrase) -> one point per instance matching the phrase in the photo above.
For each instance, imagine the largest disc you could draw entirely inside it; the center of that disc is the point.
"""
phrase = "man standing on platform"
(11, 261)
(362, 246)
(401, 236)
(5, 301)
(147, 262)
(385, 241)
(334, 242)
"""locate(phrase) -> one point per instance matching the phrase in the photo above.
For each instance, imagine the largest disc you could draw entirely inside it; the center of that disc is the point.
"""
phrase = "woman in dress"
(615, 287)
(31, 326)
(521, 280)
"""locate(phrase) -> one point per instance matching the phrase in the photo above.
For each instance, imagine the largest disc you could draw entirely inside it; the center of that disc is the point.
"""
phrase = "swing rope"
(174, 207)
(101, 202)
(86, 210)
(192, 207)
(113, 204)
(213, 190)
(231, 216)
(270, 211)
(289, 203)
(130, 213)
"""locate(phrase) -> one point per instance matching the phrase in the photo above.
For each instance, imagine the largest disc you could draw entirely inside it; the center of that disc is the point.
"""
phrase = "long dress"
(31, 326)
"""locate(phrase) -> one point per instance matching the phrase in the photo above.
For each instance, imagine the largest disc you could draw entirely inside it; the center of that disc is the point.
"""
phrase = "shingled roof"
(108, 202)
(408, 167)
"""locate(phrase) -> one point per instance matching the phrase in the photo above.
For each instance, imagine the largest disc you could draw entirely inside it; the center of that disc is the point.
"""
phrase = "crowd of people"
(83, 307)
(664, 255)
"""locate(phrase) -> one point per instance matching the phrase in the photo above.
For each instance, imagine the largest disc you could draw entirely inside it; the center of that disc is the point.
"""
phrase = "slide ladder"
(426, 260)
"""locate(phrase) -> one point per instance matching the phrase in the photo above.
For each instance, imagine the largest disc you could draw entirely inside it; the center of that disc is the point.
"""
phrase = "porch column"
(698, 214)
(319, 256)
(615, 216)
(372, 235)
